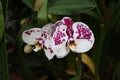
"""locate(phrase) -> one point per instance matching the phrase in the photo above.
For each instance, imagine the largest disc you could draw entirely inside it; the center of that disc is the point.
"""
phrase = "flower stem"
(79, 67)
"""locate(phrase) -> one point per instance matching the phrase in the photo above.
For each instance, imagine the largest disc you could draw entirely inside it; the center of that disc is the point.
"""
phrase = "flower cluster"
(59, 38)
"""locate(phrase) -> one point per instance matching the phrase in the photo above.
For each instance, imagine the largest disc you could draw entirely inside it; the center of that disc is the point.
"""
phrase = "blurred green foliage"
(102, 16)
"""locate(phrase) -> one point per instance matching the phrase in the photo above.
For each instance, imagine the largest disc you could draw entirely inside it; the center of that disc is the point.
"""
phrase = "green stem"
(79, 67)
(42, 14)
(4, 60)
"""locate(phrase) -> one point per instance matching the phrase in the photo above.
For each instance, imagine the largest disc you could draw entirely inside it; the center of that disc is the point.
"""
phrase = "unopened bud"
(27, 48)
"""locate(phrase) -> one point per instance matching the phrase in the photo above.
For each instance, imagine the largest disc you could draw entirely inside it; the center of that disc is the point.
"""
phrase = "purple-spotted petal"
(60, 35)
(49, 52)
(59, 41)
(83, 37)
(30, 36)
(81, 31)
(47, 41)
(68, 22)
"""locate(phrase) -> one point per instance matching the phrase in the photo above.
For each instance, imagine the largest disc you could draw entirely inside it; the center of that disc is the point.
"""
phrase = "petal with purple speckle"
(49, 52)
(59, 41)
(30, 36)
(83, 37)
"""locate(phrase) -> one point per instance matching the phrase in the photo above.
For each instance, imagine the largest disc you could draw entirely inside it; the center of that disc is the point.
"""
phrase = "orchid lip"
(37, 47)
(72, 44)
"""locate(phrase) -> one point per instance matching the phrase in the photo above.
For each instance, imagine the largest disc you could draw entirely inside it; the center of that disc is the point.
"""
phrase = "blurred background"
(102, 62)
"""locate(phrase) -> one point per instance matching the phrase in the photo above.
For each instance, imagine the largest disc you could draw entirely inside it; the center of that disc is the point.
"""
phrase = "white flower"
(59, 38)
(80, 37)
(55, 41)
(33, 37)
(52, 38)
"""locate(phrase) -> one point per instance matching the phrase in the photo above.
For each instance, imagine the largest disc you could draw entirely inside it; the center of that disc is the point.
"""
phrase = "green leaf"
(68, 7)
(94, 15)
(29, 3)
(117, 70)
(5, 5)
(3, 53)
(3, 60)
(1, 22)
(42, 13)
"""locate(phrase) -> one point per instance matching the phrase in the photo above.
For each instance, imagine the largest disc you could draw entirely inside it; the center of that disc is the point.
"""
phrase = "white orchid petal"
(47, 27)
(48, 53)
(83, 45)
(62, 52)
(59, 41)
(28, 39)
(81, 31)
(60, 35)
(83, 38)
(29, 36)
(55, 43)
(68, 22)
(51, 50)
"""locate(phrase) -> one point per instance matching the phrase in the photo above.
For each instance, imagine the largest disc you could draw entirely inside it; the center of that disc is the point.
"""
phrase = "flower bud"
(27, 49)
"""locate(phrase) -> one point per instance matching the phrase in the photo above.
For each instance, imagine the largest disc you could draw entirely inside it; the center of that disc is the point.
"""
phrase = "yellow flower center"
(72, 44)
(37, 46)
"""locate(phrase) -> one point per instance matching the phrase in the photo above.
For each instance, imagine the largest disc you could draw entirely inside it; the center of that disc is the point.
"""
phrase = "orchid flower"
(55, 41)
(52, 38)
(33, 37)
(80, 37)
(59, 38)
